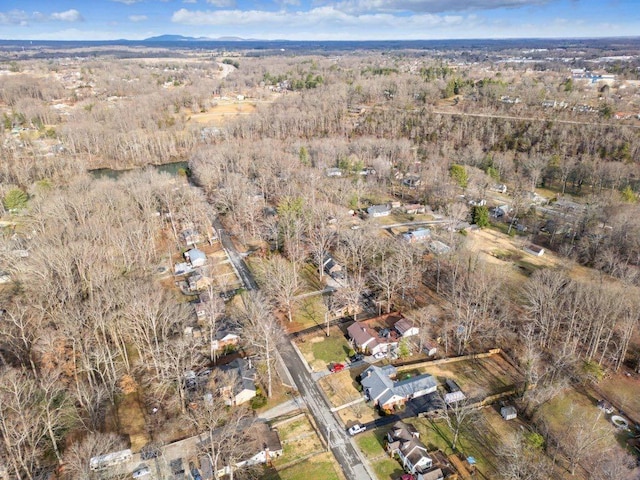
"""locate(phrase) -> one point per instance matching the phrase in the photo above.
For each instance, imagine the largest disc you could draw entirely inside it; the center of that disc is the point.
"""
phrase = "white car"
(379, 355)
(356, 429)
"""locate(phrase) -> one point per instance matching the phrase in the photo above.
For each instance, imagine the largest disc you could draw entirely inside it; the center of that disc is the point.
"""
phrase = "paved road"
(236, 259)
(339, 441)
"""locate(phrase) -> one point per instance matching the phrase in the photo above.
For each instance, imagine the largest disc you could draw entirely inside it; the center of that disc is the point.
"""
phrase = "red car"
(337, 367)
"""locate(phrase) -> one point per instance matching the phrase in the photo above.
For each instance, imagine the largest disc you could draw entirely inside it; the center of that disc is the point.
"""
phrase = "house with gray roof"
(381, 388)
(241, 386)
(403, 440)
(379, 210)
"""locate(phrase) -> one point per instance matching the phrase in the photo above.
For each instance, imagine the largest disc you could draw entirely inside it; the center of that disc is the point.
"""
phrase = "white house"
(404, 440)
(379, 210)
(380, 388)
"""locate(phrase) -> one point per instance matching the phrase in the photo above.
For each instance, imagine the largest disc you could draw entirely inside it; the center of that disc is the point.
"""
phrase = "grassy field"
(318, 467)
(299, 439)
(477, 377)
(320, 351)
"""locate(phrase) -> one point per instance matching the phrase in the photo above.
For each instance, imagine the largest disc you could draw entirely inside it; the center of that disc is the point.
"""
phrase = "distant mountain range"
(182, 38)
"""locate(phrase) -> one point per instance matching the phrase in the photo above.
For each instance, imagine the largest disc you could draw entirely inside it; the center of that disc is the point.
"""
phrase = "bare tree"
(281, 282)
(261, 332)
(456, 415)
(519, 460)
(78, 454)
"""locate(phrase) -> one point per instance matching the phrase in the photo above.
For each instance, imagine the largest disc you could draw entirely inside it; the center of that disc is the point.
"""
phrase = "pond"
(170, 168)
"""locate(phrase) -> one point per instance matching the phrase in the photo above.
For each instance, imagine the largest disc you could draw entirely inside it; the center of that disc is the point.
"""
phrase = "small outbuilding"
(534, 250)
(509, 412)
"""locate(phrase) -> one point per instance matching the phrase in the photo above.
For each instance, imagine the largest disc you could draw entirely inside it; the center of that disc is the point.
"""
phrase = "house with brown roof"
(366, 339)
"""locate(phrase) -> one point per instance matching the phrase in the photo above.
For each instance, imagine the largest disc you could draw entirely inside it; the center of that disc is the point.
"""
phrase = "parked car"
(337, 367)
(357, 357)
(379, 355)
(194, 471)
(141, 472)
(356, 429)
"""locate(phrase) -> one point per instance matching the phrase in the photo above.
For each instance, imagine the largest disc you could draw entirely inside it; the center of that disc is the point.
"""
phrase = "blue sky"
(318, 19)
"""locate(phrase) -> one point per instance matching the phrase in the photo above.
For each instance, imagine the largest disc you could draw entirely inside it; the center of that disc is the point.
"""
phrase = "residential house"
(381, 389)
(509, 412)
(191, 237)
(417, 236)
(195, 257)
(198, 282)
(406, 328)
(414, 208)
(379, 210)
(241, 386)
(261, 445)
(366, 339)
(403, 440)
(224, 339)
(330, 266)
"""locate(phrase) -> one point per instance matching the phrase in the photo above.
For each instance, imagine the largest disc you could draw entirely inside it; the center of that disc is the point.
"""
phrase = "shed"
(454, 397)
(509, 412)
(430, 348)
(534, 250)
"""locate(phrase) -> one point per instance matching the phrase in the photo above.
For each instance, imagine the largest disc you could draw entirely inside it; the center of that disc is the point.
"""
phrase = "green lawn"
(331, 349)
(320, 467)
(387, 469)
(371, 442)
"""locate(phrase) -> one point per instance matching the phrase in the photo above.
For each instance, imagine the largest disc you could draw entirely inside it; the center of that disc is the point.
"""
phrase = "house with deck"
(381, 388)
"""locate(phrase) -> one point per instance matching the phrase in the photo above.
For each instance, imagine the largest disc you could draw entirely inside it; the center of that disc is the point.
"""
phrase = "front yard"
(320, 351)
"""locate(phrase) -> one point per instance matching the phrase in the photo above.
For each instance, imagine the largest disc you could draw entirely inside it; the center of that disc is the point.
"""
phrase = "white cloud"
(127, 2)
(189, 1)
(138, 18)
(428, 6)
(222, 3)
(321, 22)
(72, 15)
(22, 18)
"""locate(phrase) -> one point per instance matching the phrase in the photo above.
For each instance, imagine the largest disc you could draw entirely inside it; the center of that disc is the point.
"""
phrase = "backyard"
(477, 378)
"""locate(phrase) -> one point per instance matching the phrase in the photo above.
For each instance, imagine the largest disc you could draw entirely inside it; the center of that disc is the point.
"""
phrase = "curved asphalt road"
(334, 434)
